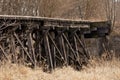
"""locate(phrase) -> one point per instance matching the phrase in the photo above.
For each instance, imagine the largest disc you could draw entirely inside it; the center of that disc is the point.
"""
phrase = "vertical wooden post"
(13, 49)
(100, 46)
(48, 51)
(60, 44)
(78, 64)
(64, 51)
(23, 40)
(53, 50)
(31, 48)
(71, 43)
(38, 49)
(76, 48)
(67, 50)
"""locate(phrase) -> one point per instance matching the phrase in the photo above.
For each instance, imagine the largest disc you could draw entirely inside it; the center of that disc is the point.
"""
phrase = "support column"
(48, 50)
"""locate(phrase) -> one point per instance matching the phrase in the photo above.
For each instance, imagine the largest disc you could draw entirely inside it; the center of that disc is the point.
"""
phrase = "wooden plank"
(47, 19)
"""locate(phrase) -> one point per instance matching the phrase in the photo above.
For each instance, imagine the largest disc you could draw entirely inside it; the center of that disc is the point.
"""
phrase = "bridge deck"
(36, 18)
(88, 27)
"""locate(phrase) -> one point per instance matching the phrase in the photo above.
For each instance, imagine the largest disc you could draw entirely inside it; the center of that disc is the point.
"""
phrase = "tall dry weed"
(96, 70)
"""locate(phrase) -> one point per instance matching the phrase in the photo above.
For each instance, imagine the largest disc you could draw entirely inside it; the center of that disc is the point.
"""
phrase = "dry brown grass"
(97, 70)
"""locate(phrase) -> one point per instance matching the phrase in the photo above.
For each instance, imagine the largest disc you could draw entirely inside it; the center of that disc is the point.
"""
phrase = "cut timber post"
(53, 49)
(13, 49)
(48, 51)
(31, 48)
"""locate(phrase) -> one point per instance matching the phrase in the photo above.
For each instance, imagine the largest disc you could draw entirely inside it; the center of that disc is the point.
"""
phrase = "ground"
(102, 70)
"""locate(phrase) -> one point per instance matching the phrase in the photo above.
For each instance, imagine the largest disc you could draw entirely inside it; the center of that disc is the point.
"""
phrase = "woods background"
(80, 9)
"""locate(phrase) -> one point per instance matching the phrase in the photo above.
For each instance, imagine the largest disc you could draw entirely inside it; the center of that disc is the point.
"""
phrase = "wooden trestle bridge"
(48, 42)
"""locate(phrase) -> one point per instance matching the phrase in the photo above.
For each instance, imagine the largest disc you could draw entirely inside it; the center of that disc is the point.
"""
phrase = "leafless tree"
(82, 9)
(29, 7)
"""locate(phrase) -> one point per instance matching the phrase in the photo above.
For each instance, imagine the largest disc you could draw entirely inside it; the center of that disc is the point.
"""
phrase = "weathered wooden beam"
(23, 47)
(56, 47)
(38, 48)
(77, 52)
(48, 51)
(36, 18)
(69, 45)
(76, 48)
(53, 49)
(83, 46)
(64, 51)
(13, 48)
(31, 48)
(4, 53)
